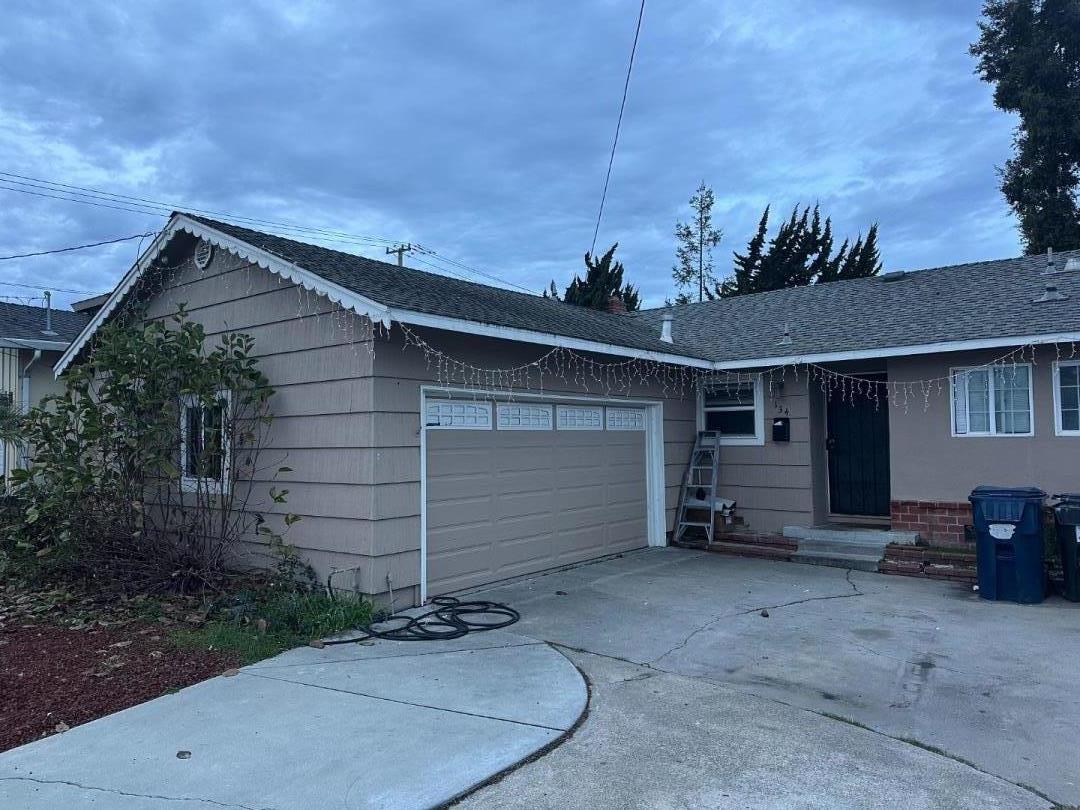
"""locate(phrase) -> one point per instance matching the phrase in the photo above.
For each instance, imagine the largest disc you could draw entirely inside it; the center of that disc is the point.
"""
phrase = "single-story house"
(31, 341)
(443, 434)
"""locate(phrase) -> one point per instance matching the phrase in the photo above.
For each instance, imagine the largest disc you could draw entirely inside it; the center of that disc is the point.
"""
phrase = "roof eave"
(940, 347)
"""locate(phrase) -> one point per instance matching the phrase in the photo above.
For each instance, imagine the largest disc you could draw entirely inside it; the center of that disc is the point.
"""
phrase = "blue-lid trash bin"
(1067, 525)
(1009, 543)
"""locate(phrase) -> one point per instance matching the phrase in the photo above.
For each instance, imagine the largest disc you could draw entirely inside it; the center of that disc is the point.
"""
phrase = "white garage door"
(516, 488)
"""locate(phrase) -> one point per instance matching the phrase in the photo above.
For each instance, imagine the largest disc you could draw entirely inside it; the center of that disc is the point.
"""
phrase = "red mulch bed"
(52, 678)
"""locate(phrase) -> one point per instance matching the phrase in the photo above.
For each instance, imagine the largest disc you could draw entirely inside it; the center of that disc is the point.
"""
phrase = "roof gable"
(386, 293)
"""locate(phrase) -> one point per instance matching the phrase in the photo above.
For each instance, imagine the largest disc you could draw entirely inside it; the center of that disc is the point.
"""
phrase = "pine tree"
(603, 279)
(800, 253)
(747, 265)
(693, 255)
(552, 291)
(1030, 51)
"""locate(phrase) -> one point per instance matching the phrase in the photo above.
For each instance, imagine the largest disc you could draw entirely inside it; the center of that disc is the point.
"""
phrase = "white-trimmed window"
(458, 414)
(1067, 398)
(580, 417)
(992, 401)
(204, 446)
(523, 416)
(625, 419)
(736, 409)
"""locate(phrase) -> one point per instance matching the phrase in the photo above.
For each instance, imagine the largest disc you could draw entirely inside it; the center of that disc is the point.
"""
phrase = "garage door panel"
(508, 483)
(581, 497)
(628, 494)
(513, 502)
(457, 513)
(456, 487)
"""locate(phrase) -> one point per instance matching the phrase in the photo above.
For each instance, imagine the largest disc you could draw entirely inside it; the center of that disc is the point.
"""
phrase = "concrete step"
(749, 550)
(825, 547)
(860, 562)
(853, 536)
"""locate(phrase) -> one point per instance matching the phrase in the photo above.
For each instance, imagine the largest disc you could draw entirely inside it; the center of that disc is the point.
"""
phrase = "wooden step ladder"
(698, 492)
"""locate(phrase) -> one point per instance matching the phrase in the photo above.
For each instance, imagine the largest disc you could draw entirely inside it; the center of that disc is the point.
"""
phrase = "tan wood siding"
(772, 483)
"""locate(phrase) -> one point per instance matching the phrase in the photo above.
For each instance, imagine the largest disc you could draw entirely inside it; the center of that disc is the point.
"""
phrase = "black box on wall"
(781, 429)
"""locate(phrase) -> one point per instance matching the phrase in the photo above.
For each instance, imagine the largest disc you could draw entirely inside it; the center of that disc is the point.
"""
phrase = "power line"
(85, 195)
(44, 286)
(75, 247)
(618, 126)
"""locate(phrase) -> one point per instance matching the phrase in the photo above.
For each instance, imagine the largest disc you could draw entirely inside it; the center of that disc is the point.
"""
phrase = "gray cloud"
(482, 129)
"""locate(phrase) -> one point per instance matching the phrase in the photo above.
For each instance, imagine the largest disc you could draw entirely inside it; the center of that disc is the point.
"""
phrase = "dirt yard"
(58, 671)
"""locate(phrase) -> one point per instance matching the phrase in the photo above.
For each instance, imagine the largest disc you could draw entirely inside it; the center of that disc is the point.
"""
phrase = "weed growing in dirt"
(258, 625)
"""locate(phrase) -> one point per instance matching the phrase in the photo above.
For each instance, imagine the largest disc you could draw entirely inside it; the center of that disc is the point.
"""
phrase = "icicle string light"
(239, 279)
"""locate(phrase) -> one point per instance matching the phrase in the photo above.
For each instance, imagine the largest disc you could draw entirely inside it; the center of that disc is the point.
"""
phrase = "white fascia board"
(543, 338)
(275, 264)
(901, 351)
(24, 343)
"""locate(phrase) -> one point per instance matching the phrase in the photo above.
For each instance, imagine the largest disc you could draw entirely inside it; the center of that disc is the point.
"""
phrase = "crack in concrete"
(118, 792)
(823, 714)
(682, 644)
(406, 702)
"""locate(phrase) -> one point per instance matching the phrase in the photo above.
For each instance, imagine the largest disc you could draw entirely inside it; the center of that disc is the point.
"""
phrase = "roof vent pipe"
(48, 330)
(665, 328)
(1050, 260)
(786, 339)
(1051, 293)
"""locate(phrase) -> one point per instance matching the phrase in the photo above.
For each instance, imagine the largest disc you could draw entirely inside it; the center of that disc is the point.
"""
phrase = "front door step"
(861, 549)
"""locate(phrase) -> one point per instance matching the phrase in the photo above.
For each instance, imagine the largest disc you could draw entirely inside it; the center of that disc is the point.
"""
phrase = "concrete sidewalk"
(390, 725)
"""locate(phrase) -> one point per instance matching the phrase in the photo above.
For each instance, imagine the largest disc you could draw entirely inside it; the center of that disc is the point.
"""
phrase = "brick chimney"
(615, 304)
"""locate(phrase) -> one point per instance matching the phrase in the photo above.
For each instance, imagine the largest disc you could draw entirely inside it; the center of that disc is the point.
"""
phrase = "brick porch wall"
(939, 523)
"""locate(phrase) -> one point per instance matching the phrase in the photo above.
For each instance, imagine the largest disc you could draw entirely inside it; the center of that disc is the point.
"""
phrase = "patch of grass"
(255, 626)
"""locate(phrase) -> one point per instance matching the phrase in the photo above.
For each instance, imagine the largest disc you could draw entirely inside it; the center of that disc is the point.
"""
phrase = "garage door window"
(574, 417)
(446, 413)
(625, 419)
(513, 416)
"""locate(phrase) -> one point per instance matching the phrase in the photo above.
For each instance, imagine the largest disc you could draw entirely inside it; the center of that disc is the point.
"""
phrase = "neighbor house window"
(204, 448)
(992, 401)
(1067, 398)
(735, 410)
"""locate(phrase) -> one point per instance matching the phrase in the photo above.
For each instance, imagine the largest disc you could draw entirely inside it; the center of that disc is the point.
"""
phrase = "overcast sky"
(482, 129)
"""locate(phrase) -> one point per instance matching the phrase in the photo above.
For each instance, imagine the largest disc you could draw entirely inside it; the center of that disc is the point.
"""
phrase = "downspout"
(25, 403)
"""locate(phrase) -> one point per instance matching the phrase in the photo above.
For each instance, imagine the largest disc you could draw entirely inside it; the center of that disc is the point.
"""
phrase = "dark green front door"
(858, 448)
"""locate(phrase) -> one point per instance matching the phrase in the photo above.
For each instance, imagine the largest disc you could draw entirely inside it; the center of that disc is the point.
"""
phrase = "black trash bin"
(1067, 526)
(1009, 543)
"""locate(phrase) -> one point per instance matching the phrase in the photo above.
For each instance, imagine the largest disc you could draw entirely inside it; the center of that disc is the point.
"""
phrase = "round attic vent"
(204, 252)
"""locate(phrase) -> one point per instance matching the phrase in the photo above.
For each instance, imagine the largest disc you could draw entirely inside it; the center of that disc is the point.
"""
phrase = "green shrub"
(105, 498)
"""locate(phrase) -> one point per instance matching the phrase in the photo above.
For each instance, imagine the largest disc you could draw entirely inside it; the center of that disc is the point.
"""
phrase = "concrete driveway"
(390, 725)
(856, 689)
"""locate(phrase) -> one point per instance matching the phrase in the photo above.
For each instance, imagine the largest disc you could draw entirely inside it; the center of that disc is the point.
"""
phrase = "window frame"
(507, 408)
(1056, 384)
(993, 432)
(481, 405)
(758, 406)
(191, 483)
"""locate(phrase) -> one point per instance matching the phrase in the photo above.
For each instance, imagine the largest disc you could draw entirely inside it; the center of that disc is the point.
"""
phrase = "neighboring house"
(420, 462)
(31, 341)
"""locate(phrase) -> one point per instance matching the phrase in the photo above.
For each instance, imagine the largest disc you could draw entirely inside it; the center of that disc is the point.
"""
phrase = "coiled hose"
(449, 618)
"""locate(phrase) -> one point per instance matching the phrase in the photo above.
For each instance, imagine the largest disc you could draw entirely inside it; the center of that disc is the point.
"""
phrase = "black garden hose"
(449, 618)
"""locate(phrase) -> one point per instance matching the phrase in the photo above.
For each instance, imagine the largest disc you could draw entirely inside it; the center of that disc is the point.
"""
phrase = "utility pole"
(400, 250)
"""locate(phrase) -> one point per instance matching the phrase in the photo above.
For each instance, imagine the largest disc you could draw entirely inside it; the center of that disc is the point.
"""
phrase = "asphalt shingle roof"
(419, 291)
(991, 299)
(22, 322)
